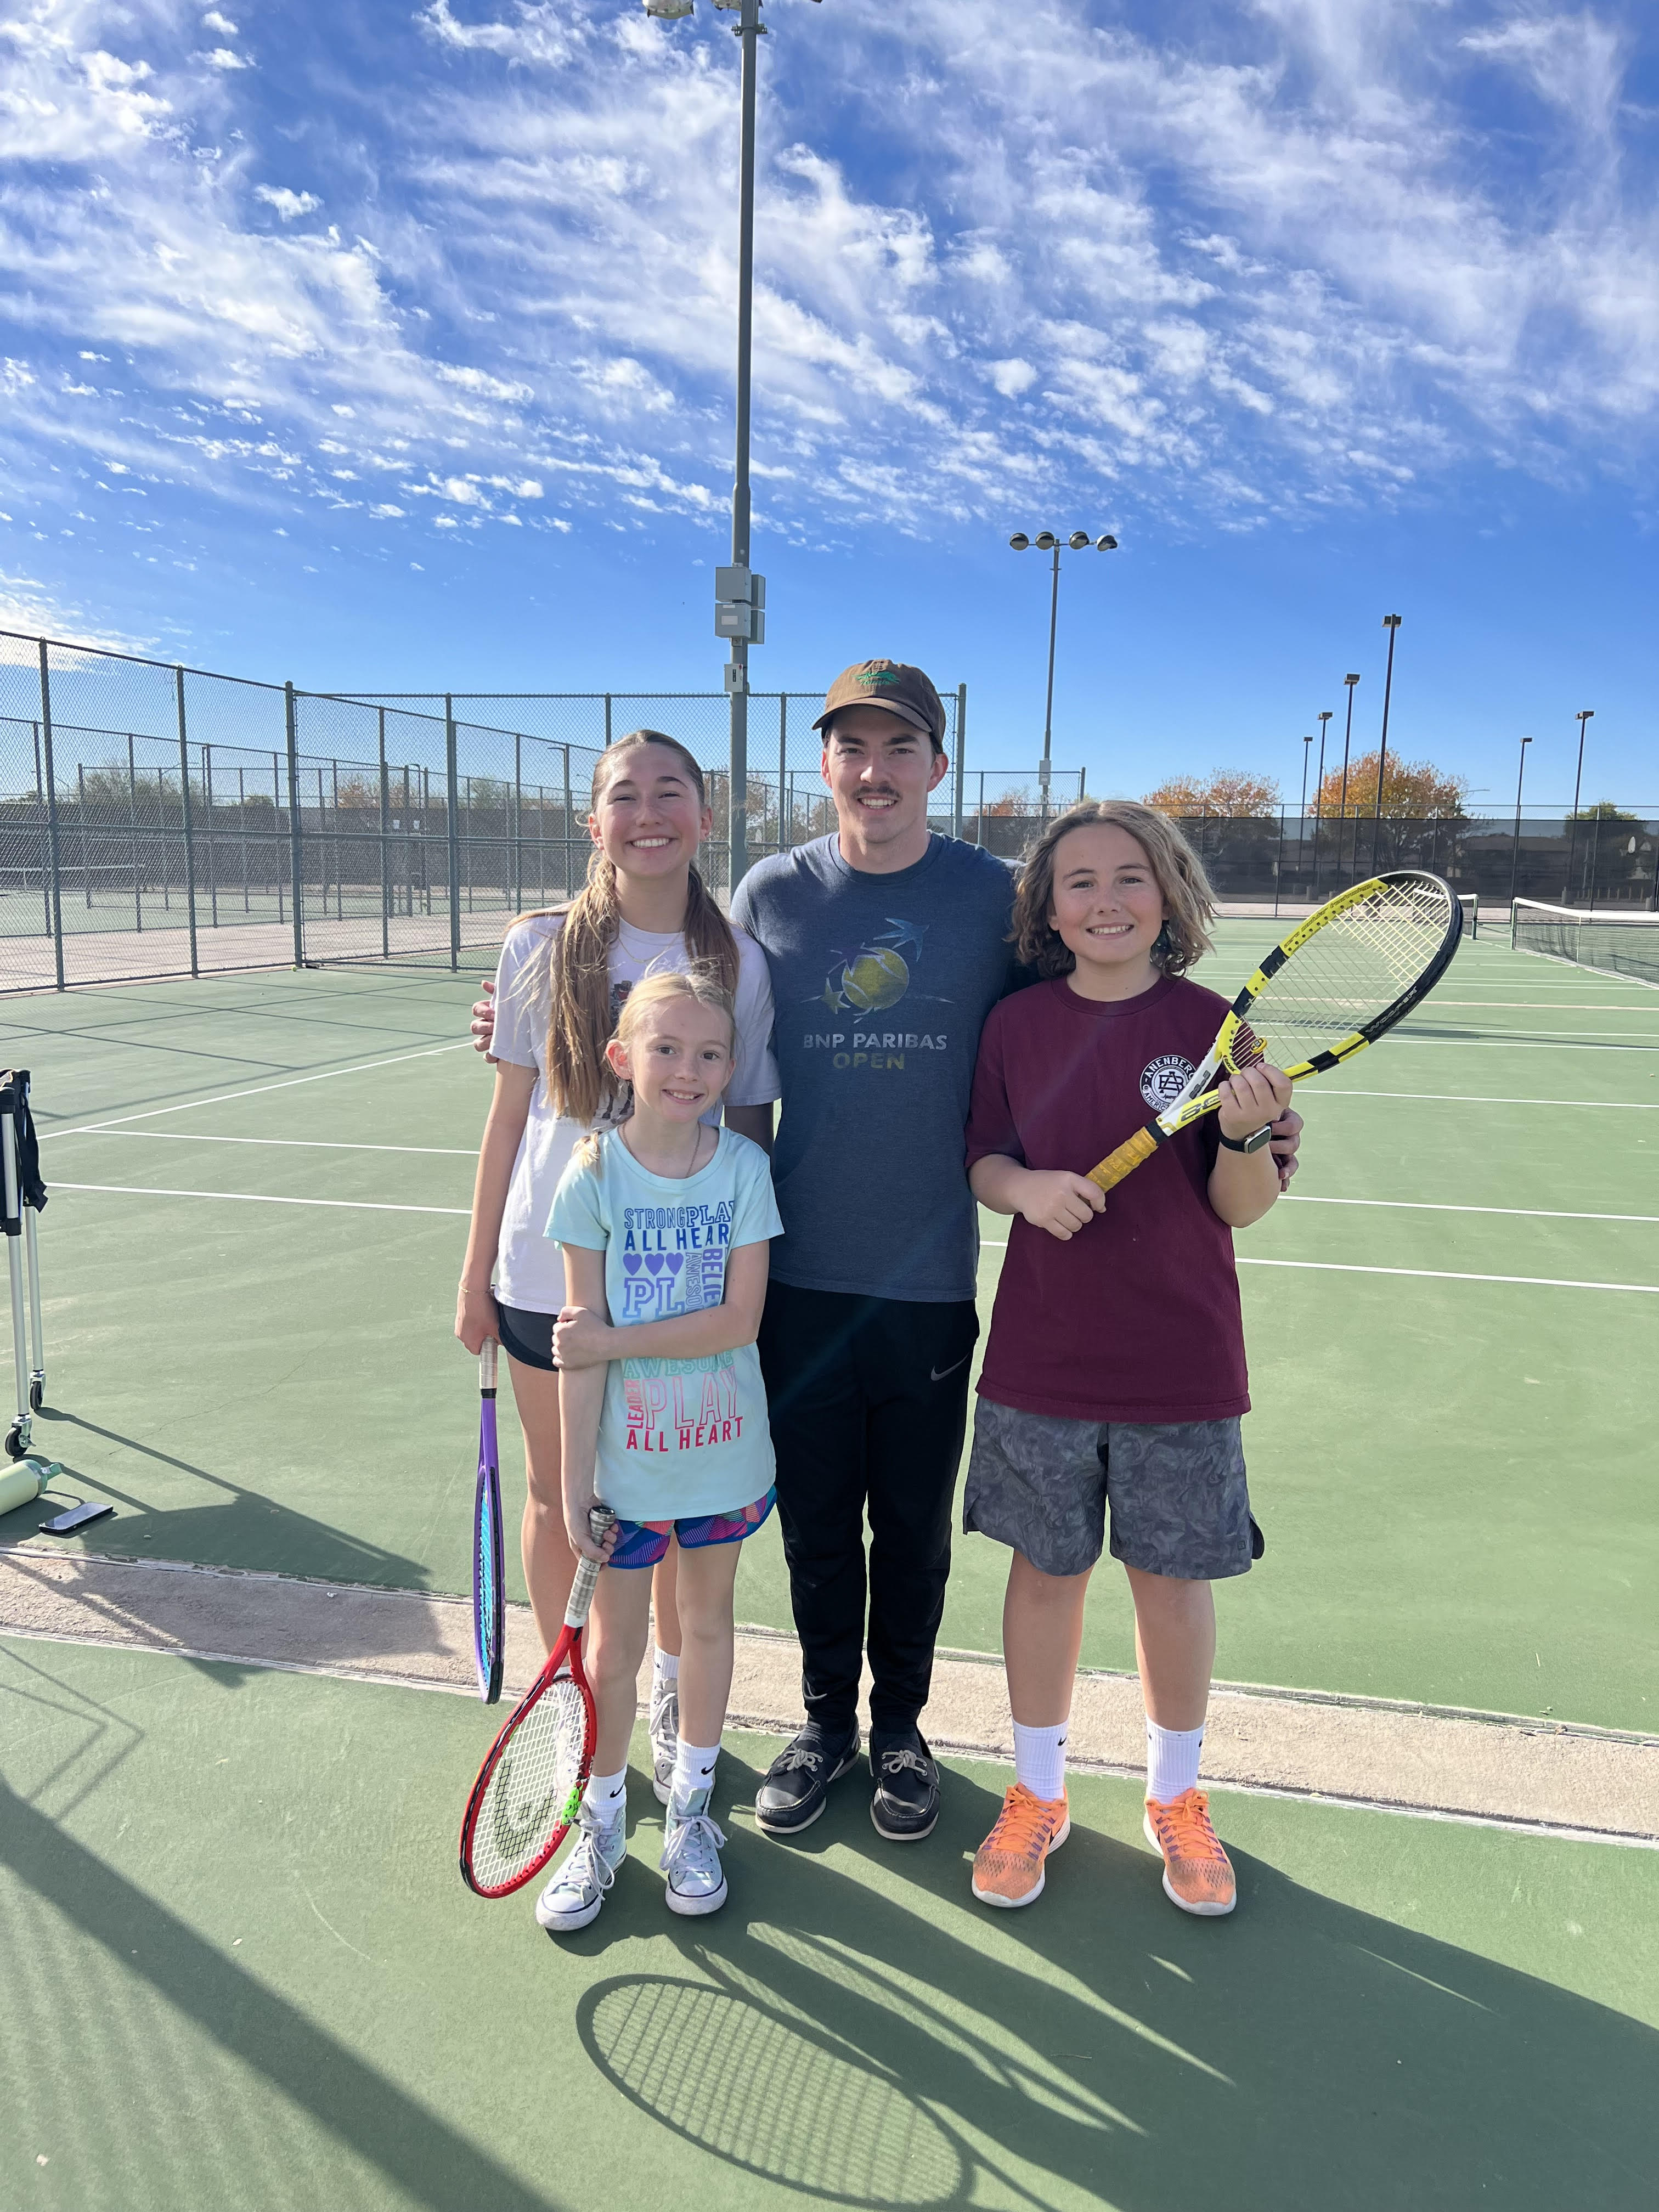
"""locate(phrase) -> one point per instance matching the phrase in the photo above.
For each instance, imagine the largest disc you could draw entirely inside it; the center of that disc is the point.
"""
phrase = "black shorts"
(526, 1337)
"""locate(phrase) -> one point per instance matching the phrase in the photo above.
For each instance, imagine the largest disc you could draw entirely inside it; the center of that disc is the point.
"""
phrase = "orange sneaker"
(1008, 1865)
(1198, 1876)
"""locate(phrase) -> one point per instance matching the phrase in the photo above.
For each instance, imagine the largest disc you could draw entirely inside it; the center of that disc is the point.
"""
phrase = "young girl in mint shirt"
(1113, 1378)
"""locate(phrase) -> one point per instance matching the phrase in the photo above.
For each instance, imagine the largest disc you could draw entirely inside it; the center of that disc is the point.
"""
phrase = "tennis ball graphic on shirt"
(876, 975)
(873, 980)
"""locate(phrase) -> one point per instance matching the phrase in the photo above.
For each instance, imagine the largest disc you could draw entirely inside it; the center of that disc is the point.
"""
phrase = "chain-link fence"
(157, 820)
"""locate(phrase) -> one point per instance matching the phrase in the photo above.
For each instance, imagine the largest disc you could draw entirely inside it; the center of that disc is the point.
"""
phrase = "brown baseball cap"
(892, 685)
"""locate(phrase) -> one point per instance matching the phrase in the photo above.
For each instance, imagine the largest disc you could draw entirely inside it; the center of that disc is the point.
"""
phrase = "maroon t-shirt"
(1137, 1317)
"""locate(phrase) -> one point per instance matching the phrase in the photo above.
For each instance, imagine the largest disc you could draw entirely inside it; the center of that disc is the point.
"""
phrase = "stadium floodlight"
(1391, 623)
(738, 619)
(1584, 715)
(1049, 541)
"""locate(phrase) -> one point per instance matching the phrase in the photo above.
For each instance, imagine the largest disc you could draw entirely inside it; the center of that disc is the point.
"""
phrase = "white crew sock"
(664, 1668)
(694, 1770)
(1172, 1756)
(606, 1797)
(1040, 1760)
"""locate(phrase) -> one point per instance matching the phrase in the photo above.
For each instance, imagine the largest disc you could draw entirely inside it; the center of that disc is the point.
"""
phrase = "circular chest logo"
(1164, 1079)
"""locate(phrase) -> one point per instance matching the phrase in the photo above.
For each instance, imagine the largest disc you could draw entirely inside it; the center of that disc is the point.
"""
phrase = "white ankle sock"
(1040, 1760)
(606, 1797)
(694, 1770)
(666, 1667)
(1172, 1756)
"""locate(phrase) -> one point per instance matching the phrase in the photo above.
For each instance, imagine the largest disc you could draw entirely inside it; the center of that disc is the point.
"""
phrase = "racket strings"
(1352, 970)
(530, 1790)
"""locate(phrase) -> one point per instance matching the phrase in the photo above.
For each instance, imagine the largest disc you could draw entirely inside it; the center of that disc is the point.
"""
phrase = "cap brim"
(902, 714)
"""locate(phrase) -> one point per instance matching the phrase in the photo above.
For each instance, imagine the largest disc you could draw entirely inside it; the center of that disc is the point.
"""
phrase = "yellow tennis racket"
(1339, 981)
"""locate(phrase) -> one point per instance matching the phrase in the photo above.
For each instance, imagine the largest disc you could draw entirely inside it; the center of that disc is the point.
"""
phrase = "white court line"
(1450, 1275)
(1550, 1005)
(288, 1083)
(1518, 1044)
(260, 1198)
(1475, 1098)
(1427, 1205)
(302, 1144)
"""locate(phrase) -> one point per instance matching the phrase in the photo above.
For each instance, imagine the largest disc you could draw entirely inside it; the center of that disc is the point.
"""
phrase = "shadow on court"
(873, 2051)
(200, 2110)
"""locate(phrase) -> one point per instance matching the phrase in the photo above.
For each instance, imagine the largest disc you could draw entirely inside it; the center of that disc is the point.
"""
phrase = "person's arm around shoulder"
(1243, 1185)
(581, 1406)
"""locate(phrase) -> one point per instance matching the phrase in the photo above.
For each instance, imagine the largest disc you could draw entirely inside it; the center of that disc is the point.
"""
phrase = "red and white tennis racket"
(531, 1785)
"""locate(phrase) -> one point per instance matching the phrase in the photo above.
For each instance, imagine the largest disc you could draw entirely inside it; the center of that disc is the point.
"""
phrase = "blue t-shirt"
(881, 984)
(678, 1438)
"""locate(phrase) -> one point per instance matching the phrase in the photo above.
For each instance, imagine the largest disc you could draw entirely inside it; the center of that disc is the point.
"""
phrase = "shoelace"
(587, 1863)
(1020, 1827)
(690, 1844)
(1183, 1829)
(894, 1762)
(795, 1757)
(666, 1720)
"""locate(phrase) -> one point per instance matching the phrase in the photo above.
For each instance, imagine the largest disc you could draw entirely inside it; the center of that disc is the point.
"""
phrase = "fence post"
(518, 822)
(783, 761)
(452, 808)
(296, 858)
(212, 856)
(51, 818)
(80, 789)
(184, 795)
(132, 835)
(567, 820)
(607, 721)
(386, 845)
(960, 742)
(1279, 863)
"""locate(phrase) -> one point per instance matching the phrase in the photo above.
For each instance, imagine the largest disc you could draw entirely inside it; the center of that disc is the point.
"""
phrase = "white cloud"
(225, 58)
(288, 204)
(214, 21)
(485, 386)
(1012, 378)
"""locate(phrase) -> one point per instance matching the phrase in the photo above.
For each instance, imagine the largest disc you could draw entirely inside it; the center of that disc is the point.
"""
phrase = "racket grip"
(487, 1359)
(601, 1521)
(1128, 1157)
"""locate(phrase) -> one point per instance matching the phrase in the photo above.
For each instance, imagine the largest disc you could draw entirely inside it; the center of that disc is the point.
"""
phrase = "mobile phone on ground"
(76, 1517)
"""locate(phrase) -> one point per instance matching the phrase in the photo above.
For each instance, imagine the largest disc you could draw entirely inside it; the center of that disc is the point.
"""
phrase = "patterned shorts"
(642, 1543)
(1176, 1491)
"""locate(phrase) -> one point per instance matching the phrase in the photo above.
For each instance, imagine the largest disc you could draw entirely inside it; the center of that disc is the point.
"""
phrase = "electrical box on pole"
(740, 604)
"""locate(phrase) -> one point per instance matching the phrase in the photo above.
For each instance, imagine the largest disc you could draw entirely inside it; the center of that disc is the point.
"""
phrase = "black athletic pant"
(868, 1402)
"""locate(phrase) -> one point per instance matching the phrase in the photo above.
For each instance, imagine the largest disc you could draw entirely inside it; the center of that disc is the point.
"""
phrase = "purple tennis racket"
(489, 1616)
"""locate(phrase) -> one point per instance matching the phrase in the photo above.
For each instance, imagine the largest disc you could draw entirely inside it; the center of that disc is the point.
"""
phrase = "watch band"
(1253, 1143)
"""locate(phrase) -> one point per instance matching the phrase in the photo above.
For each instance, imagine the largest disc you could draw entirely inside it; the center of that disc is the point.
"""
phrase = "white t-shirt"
(529, 1272)
(678, 1438)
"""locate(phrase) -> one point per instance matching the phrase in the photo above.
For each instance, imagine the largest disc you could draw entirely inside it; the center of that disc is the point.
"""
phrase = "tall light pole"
(1583, 715)
(1342, 809)
(1048, 541)
(1391, 623)
(1515, 864)
(740, 595)
(1319, 792)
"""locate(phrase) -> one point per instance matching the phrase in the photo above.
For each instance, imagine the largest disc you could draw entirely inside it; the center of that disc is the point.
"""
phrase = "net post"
(184, 800)
(52, 816)
(960, 765)
(452, 776)
(296, 859)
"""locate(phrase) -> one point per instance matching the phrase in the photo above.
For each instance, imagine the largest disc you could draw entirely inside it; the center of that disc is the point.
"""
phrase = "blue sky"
(390, 346)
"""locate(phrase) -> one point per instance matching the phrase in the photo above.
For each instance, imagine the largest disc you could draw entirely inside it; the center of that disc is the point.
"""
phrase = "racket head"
(530, 1786)
(1344, 976)
(489, 1547)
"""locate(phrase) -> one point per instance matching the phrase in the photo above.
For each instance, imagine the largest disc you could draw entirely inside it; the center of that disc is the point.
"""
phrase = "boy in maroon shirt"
(1114, 1373)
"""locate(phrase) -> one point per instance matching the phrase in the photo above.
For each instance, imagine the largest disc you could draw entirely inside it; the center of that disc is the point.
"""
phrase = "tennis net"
(1612, 943)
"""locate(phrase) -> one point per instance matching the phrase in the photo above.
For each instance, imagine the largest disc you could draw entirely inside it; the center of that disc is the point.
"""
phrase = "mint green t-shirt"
(678, 1438)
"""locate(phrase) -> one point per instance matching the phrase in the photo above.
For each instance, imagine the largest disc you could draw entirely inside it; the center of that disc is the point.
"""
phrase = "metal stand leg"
(37, 1319)
(17, 1436)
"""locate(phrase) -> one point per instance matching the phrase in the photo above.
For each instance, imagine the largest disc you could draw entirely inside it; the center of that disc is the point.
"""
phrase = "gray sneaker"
(665, 1736)
(691, 1857)
(572, 1897)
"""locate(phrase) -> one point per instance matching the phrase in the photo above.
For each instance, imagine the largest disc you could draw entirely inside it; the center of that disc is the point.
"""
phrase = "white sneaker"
(691, 1857)
(572, 1897)
(665, 1736)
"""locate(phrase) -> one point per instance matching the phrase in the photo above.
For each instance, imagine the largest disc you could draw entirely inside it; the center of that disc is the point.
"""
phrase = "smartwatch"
(1253, 1143)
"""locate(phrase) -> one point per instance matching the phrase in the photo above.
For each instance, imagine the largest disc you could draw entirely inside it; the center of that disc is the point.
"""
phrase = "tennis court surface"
(245, 1970)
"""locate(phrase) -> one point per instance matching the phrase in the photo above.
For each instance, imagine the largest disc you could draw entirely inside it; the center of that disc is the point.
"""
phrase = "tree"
(1225, 791)
(1414, 791)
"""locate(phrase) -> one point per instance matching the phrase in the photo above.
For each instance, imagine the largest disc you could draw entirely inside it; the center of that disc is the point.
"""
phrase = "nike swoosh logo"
(938, 1374)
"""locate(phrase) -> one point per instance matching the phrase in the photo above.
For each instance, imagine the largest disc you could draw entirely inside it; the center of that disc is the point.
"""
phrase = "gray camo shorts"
(1176, 1490)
